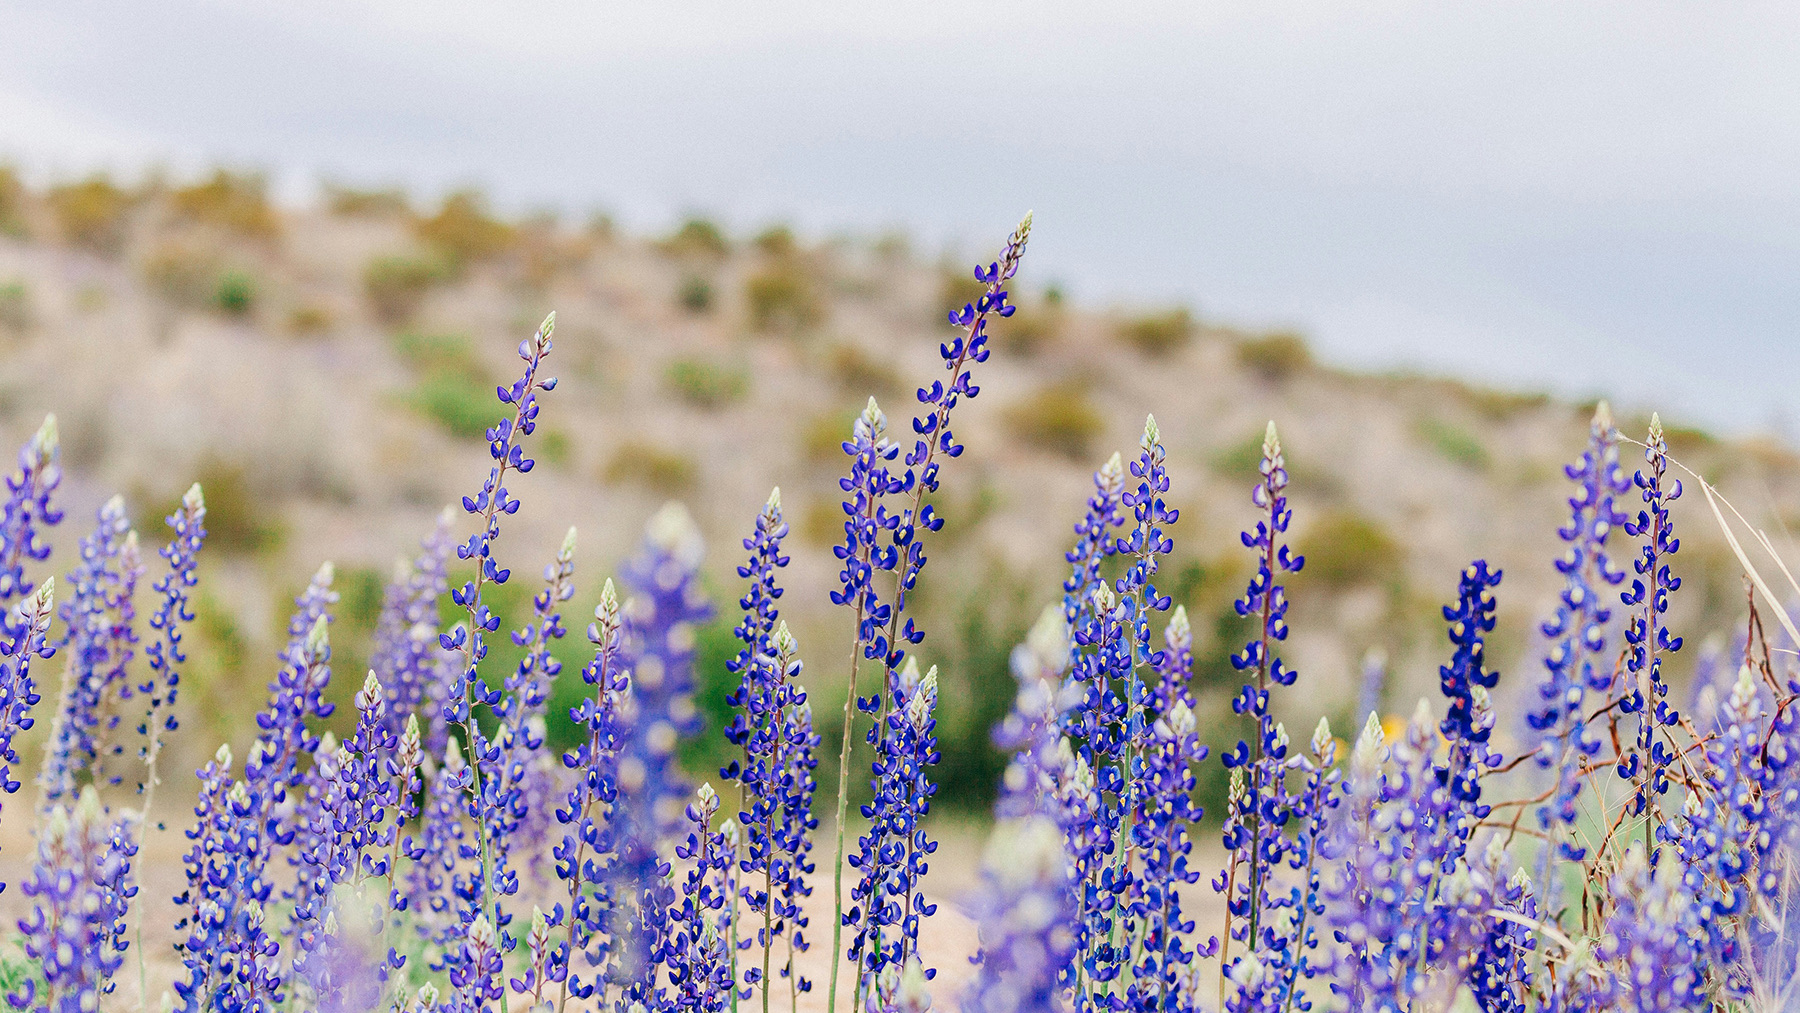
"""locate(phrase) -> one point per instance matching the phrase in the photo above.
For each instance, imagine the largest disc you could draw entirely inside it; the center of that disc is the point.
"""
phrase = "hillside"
(326, 372)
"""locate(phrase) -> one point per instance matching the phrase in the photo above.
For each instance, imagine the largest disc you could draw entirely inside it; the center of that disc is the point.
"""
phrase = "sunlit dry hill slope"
(326, 372)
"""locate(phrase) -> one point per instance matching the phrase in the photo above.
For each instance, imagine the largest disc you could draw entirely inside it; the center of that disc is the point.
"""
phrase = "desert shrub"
(659, 469)
(1345, 549)
(776, 241)
(397, 285)
(1274, 357)
(91, 213)
(15, 308)
(706, 384)
(239, 519)
(860, 373)
(1456, 444)
(695, 294)
(782, 298)
(1158, 334)
(1059, 418)
(185, 274)
(311, 318)
(12, 203)
(234, 201)
(352, 202)
(464, 231)
(454, 390)
(697, 237)
(235, 293)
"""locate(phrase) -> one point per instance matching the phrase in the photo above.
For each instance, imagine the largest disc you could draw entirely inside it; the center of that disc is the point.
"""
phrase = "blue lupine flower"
(1466, 682)
(892, 855)
(1025, 914)
(698, 957)
(101, 639)
(1254, 831)
(1576, 663)
(1095, 539)
(405, 654)
(164, 651)
(27, 511)
(1649, 938)
(1647, 638)
(27, 637)
(588, 837)
(81, 891)
(229, 951)
(666, 609)
(467, 640)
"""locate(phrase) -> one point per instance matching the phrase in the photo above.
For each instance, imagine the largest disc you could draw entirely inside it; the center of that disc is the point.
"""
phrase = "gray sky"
(1584, 197)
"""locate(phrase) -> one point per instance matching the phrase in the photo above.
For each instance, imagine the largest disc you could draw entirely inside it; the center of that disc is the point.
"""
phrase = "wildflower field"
(1585, 839)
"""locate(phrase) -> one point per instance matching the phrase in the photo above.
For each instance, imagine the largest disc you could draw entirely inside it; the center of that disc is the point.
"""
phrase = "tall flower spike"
(1647, 638)
(1094, 538)
(101, 638)
(406, 655)
(667, 606)
(1024, 912)
(1576, 662)
(27, 511)
(27, 638)
(468, 640)
(1256, 834)
(231, 868)
(81, 891)
(893, 853)
(1465, 682)
(173, 613)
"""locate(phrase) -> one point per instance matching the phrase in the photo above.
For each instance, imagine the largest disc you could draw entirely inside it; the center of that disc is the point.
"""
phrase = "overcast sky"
(1575, 196)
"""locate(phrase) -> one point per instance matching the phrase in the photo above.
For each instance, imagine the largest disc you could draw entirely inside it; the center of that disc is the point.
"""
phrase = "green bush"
(91, 213)
(782, 298)
(1158, 334)
(1274, 357)
(697, 237)
(695, 294)
(12, 203)
(452, 400)
(397, 285)
(776, 241)
(707, 385)
(455, 390)
(1058, 418)
(238, 202)
(235, 294)
(1344, 549)
(658, 469)
(1456, 444)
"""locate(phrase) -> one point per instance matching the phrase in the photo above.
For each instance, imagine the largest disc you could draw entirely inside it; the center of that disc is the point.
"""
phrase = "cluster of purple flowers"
(392, 870)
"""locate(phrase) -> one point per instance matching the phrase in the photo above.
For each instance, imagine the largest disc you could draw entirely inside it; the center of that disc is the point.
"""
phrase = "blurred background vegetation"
(327, 373)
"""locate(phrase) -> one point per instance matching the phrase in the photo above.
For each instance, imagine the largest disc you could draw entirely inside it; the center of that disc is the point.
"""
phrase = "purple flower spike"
(1647, 639)
(81, 891)
(27, 511)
